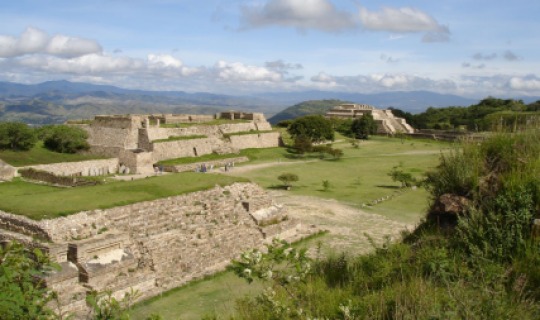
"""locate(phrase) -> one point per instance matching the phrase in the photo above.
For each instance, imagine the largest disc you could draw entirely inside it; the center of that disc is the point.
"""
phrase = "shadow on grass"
(388, 187)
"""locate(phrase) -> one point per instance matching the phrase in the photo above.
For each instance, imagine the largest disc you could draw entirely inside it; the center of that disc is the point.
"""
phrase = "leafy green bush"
(16, 136)
(65, 139)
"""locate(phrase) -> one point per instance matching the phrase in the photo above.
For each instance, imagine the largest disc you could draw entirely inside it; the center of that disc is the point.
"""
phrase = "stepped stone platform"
(151, 246)
(387, 123)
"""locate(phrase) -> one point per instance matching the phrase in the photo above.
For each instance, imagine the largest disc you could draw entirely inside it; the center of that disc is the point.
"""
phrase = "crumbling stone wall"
(7, 172)
(156, 245)
(84, 168)
(256, 140)
(185, 148)
(195, 165)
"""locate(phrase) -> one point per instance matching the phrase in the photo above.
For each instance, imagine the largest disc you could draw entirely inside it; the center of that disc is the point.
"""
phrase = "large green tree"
(65, 139)
(364, 126)
(315, 127)
(16, 136)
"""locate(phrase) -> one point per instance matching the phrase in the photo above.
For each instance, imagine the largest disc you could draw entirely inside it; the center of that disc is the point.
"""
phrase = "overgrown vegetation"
(485, 267)
(22, 294)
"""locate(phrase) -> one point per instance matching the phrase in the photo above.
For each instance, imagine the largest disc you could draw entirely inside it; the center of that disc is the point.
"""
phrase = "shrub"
(287, 178)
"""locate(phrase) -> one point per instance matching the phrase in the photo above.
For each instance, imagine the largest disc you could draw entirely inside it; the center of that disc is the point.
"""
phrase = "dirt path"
(347, 226)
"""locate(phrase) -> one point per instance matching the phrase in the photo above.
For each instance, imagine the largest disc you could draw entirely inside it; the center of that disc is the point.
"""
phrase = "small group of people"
(229, 166)
(204, 168)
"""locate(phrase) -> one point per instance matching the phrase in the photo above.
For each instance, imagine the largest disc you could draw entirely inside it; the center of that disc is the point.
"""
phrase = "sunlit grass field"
(42, 202)
(361, 176)
(41, 155)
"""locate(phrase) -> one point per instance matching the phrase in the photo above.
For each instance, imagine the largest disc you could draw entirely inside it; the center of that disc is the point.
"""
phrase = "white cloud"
(90, 63)
(35, 41)
(237, 71)
(302, 14)
(399, 20)
(164, 61)
(404, 20)
(528, 83)
(378, 82)
(323, 77)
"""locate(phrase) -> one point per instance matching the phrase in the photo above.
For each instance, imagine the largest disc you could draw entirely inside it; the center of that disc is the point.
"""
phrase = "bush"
(16, 136)
(287, 178)
(65, 139)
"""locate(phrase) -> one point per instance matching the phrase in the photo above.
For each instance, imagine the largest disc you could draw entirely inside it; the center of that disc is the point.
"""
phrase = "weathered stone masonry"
(152, 246)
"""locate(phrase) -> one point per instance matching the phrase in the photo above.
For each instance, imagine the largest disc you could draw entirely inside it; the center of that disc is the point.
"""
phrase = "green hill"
(305, 108)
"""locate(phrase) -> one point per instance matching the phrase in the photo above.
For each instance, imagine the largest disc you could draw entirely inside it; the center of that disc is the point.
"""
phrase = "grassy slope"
(215, 295)
(40, 201)
(361, 176)
(40, 155)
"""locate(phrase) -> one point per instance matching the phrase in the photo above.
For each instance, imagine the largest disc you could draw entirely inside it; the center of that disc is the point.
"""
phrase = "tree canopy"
(364, 126)
(315, 127)
(477, 117)
(16, 136)
(65, 139)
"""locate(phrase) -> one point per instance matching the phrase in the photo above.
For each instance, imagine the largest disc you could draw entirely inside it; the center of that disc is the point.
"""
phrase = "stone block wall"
(156, 245)
(237, 127)
(195, 165)
(84, 168)
(185, 148)
(7, 172)
(256, 140)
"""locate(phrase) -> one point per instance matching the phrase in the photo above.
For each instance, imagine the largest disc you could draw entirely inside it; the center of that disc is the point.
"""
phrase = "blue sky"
(470, 48)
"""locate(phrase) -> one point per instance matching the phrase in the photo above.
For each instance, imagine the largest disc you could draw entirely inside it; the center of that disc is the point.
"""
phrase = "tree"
(302, 144)
(406, 179)
(65, 139)
(16, 136)
(287, 178)
(22, 294)
(315, 127)
(364, 126)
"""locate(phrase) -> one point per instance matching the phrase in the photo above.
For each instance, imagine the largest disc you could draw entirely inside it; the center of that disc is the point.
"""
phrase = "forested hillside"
(305, 108)
(486, 115)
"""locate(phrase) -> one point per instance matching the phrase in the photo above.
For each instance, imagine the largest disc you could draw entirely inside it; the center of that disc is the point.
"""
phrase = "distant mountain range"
(58, 101)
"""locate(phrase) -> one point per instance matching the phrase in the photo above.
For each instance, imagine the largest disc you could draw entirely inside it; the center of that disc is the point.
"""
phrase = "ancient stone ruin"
(151, 246)
(135, 143)
(387, 123)
(139, 141)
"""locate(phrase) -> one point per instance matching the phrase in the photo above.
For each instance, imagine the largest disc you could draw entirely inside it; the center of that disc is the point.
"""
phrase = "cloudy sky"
(472, 48)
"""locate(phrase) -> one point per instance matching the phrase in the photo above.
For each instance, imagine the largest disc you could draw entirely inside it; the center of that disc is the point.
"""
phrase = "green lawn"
(40, 155)
(361, 175)
(42, 202)
(213, 296)
(254, 155)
